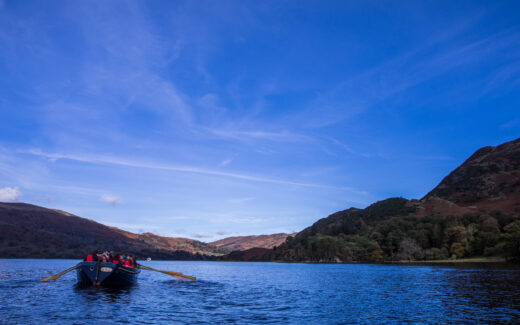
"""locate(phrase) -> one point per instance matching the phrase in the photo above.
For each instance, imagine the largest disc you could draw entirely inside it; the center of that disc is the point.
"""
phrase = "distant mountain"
(474, 211)
(255, 254)
(241, 243)
(32, 231)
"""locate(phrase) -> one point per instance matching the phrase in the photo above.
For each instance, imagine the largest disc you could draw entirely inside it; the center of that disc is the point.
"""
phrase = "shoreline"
(471, 260)
(461, 260)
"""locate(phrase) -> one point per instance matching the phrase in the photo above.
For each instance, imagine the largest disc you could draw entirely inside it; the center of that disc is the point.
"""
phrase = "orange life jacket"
(90, 258)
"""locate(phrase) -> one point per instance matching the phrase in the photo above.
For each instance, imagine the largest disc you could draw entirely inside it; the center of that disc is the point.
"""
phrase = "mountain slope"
(240, 243)
(489, 179)
(474, 211)
(32, 231)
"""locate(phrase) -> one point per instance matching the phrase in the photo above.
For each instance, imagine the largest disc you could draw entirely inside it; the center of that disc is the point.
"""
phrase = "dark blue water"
(264, 293)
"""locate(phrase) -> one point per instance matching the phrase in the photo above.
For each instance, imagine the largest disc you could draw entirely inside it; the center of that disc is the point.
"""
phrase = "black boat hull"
(106, 274)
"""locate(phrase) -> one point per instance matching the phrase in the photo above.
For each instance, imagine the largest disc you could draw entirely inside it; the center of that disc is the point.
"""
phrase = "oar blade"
(171, 273)
(47, 279)
(180, 275)
(58, 275)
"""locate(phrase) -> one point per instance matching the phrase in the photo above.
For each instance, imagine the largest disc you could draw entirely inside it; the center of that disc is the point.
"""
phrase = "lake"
(265, 293)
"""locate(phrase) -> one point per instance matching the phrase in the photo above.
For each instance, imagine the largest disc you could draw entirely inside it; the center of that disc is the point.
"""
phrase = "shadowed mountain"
(240, 243)
(474, 211)
(489, 180)
(32, 231)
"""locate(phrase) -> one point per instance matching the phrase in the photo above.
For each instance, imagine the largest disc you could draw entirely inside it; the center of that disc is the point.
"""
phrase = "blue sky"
(207, 119)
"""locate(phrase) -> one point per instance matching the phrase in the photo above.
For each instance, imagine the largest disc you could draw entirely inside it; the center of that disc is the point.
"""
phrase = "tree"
(512, 241)
(457, 249)
(455, 234)
(409, 250)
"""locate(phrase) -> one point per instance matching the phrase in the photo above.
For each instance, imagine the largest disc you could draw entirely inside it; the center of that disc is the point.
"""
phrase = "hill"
(488, 180)
(241, 243)
(30, 231)
(474, 211)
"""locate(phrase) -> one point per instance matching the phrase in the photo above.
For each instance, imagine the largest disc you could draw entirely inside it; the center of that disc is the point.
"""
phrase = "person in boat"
(116, 259)
(92, 257)
(129, 262)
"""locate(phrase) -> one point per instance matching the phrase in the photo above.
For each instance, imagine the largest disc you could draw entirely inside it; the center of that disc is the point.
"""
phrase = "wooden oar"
(58, 275)
(175, 274)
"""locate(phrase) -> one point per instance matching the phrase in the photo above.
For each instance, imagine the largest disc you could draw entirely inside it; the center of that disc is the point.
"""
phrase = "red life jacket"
(90, 258)
(127, 263)
(115, 261)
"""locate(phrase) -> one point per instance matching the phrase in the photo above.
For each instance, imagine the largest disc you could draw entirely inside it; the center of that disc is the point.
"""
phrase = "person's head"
(116, 256)
(95, 252)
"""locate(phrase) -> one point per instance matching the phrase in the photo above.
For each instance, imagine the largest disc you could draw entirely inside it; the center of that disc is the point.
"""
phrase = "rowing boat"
(106, 274)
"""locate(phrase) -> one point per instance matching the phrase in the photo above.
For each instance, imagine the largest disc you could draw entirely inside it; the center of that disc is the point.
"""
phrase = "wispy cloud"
(185, 169)
(238, 219)
(201, 235)
(241, 200)
(252, 134)
(178, 218)
(509, 124)
(131, 226)
(225, 162)
(361, 91)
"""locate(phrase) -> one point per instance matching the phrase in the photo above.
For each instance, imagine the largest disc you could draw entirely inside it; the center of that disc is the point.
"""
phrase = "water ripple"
(265, 293)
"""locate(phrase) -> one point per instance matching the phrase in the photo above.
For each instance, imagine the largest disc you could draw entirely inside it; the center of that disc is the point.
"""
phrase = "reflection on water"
(492, 292)
(105, 295)
(265, 293)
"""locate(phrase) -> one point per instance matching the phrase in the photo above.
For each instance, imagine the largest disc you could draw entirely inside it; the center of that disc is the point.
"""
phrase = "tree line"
(389, 231)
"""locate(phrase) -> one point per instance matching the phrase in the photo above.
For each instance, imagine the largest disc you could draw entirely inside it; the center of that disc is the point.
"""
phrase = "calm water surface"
(265, 293)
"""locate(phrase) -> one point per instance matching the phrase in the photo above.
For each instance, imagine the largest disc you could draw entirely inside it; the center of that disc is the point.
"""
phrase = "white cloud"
(10, 194)
(223, 232)
(112, 200)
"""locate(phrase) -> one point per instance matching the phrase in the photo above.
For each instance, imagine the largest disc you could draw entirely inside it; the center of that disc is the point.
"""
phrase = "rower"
(92, 257)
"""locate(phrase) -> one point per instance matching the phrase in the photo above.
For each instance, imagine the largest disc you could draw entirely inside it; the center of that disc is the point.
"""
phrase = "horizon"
(206, 120)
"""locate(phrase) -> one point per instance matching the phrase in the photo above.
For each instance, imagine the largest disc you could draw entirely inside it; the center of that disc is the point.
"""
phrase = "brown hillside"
(32, 231)
(488, 180)
(241, 243)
